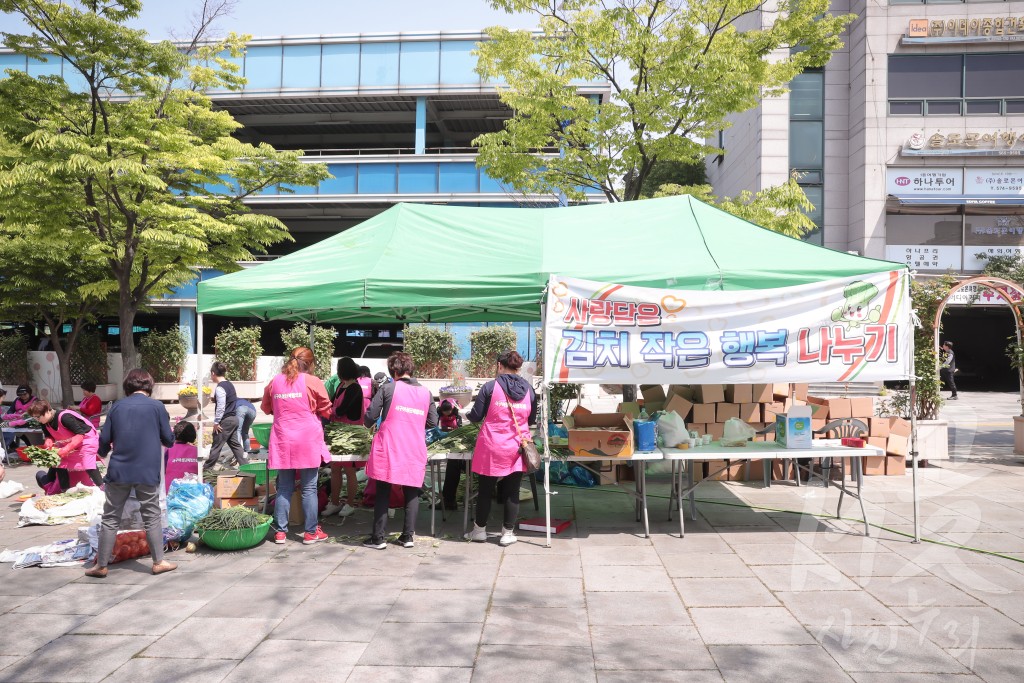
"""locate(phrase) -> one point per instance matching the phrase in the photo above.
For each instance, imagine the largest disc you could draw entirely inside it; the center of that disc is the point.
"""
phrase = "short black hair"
(137, 379)
(347, 368)
(219, 368)
(89, 386)
(185, 432)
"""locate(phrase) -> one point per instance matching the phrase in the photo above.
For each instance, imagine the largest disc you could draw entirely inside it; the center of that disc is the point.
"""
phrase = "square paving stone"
(379, 564)
(981, 579)
(293, 576)
(180, 586)
(212, 638)
(873, 564)
(344, 618)
(889, 649)
(34, 583)
(596, 555)
(759, 663)
(996, 666)
(917, 591)
(510, 590)
(965, 628)
(804, 577)
(312, 662)
(865, 677)
(159, 670)
(263, 602)
(31, 631)
(626, 578)
(459, 606)
(698, 565)
(540, 626)
(77, 658)
(777, 553)
(423, 645)
(410, 674)
(724, 593)
(667, 676)
(839, 607)
(636, 609)
(749, 626)
(616, 538)
(649, 647)
(534, 544)
(237, 564)
(79, 599)
(693, 543)
(141, 617)
(539, 566)
(496, 663)
(441, 576)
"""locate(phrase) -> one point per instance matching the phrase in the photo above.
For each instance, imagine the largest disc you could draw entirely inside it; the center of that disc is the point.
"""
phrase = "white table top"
(758, 450)
(637, 456)
(453, 455)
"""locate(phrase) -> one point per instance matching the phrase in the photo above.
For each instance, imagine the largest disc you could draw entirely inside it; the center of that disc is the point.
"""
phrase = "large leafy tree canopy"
(136, 162)
(677, 69)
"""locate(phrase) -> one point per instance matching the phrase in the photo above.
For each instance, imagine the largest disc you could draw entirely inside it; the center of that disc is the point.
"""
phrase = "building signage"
(972, 143)
(972, 262)
(994, 181)
(926, 181)
(925, 257)
(967, 30)
(979, 295)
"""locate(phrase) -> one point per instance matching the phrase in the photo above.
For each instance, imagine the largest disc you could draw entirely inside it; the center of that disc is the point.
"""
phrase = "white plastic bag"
(736, 432)
(672, 429)
(10, 487)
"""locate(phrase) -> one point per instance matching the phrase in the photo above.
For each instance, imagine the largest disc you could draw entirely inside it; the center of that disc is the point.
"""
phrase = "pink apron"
(398, 454)
(74, 479)
(497, 448)
(84, 457)
(182, 458)
(297, 437)
(366, 404)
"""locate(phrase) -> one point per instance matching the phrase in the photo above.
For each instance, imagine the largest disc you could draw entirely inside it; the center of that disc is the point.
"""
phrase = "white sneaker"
(508, 537)
(478, 534)
(332, 509)
(345, 510)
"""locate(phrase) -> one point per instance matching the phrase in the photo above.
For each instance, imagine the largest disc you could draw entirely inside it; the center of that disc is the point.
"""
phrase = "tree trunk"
(64, 352)
(126, 311)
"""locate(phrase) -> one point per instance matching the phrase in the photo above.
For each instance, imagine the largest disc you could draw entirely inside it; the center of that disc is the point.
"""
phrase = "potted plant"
(486, 345)
(457, 390)
(432, 350)
(89, 363)
(323, 345)
(163, 355)
(239, 348)
(188, 397)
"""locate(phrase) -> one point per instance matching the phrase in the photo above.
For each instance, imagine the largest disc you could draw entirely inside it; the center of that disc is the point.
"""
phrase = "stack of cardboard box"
(236, 489)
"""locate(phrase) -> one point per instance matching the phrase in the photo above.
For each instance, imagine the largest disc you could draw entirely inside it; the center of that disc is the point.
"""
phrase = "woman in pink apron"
(297, 400)
(183, 457)
(398, 455)
(77, 441)
(349, 407)
(506, 405)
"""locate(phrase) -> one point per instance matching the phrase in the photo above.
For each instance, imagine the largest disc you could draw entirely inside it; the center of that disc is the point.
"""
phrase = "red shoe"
(310, 539)
(280, 537)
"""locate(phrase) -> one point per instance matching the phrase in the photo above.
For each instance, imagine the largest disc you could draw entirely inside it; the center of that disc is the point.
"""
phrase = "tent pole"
(545, 401)
(312, 333)
(199, 391)
(913, 452)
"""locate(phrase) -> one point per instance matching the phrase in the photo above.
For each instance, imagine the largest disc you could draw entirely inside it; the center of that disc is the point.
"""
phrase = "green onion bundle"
(459, 440)
(346, 439)
(231, 519)
(42, 457)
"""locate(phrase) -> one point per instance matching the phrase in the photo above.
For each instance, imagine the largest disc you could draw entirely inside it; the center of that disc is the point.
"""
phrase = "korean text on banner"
(848, 329)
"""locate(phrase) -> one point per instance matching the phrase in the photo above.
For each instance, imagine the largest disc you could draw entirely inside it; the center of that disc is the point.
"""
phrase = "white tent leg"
(312, 335)
(199, 389)
(913, 454)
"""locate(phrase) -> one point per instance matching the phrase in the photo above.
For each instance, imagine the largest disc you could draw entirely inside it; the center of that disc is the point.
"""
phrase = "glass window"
(459, 176)
(298, 189)
(263, 68)
(1015, 106)
(458, 63)
(914, 229)
(805, 144)
(897, 108)
(489, 184)
(420, 63)
(37, 67)
(994, 75)
(15, 62)
(816, 194)
(379, 64)
(995, 231)
(343, 182)
(417, 178)
(75, 80)
(377, 178)
(301, 66)
(807, 96)
(943, 107)
(237, 61)
(983, 107)
(925, 75)
(340, 66)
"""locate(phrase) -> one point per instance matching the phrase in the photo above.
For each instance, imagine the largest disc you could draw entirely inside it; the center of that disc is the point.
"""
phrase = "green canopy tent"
(433, 263)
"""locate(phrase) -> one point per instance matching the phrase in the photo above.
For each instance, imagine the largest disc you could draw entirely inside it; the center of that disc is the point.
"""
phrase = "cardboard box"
(862, 406)
(878, 426)
(874, 464)
(897, 445)
(653, 392)
(709, 393)
(630, 408)
(716, 430)
(839, 408)
(240, 485)
(793, 429)
(816, 425)
(713, 466)
(899, 426)
(771, 410)
(726, 411)
(799, 391)
(761, 393)
(879, 441)
(780, 390)
(607, 474)
(750, 412)
(895, 465)
(736, 470)
(235, 502)
(679, 405)
(601, 434)
(681, 390)
(704, 412)
(739, 393)
(653, 406)
(699, 427)
(756, 470)
(819, 411)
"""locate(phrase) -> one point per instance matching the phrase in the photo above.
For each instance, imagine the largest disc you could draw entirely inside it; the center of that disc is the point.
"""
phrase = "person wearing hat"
(16, 415)
(948, 368)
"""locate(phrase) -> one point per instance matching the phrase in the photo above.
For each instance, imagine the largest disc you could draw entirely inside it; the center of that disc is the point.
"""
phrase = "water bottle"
(643, 414)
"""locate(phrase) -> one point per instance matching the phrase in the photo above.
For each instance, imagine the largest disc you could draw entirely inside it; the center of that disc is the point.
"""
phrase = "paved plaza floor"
(756, 591)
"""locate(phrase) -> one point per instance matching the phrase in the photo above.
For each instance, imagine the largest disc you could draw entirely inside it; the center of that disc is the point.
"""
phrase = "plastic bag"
(736, 432)
(10, 487)
(567, 474)
(188, 501)
(672, 429)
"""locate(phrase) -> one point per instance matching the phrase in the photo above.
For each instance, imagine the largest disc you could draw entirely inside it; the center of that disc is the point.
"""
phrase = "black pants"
(508, 494)
(380, 509)
(228, 434)
(452, 475)
(946, 376)
(63, 478)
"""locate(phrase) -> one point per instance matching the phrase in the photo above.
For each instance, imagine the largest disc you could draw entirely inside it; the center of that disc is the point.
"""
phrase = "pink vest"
(497, 448)
(84, 458)
(181, 459)
(297, 437)
(399, 451)
(74, 479)
(364, 384)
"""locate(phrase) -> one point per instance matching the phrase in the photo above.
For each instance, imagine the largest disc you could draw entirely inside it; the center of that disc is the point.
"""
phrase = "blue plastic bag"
(188, 501)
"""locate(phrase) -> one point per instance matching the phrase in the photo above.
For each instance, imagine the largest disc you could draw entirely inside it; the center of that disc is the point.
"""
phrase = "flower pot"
(188, 402)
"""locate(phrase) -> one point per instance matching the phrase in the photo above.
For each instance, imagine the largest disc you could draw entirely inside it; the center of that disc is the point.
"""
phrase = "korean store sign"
(924, 181)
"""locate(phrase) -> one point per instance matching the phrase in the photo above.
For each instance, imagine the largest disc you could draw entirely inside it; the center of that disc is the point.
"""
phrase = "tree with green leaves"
(130, 152)
(676, 71)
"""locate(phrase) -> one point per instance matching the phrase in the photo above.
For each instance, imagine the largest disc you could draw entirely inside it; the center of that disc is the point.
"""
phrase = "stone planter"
(932, 440)
(463, 398)
(189, 402)
(166, 391)
(249, 390)
(106, 392)
(1018, 434)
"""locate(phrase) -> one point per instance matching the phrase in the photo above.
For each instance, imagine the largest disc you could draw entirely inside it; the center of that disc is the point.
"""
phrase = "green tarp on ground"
(430, 263)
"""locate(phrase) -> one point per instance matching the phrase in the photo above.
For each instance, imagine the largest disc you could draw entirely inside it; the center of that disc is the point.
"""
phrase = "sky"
(261, 18)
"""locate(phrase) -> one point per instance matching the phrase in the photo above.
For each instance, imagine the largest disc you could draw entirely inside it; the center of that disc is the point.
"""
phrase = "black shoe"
(406, 541)
(952, 398)
(375, 543)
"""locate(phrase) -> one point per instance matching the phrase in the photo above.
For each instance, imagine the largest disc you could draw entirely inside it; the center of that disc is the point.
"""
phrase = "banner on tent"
(848, 329)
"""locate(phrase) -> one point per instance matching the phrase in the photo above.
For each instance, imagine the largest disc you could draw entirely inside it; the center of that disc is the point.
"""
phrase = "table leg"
(469, 500)
(673, 494)
(637, 488)
(679, 496)
(643, 494)
(693, 496)
(860, 495)
(266, 478)
(433, 498)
